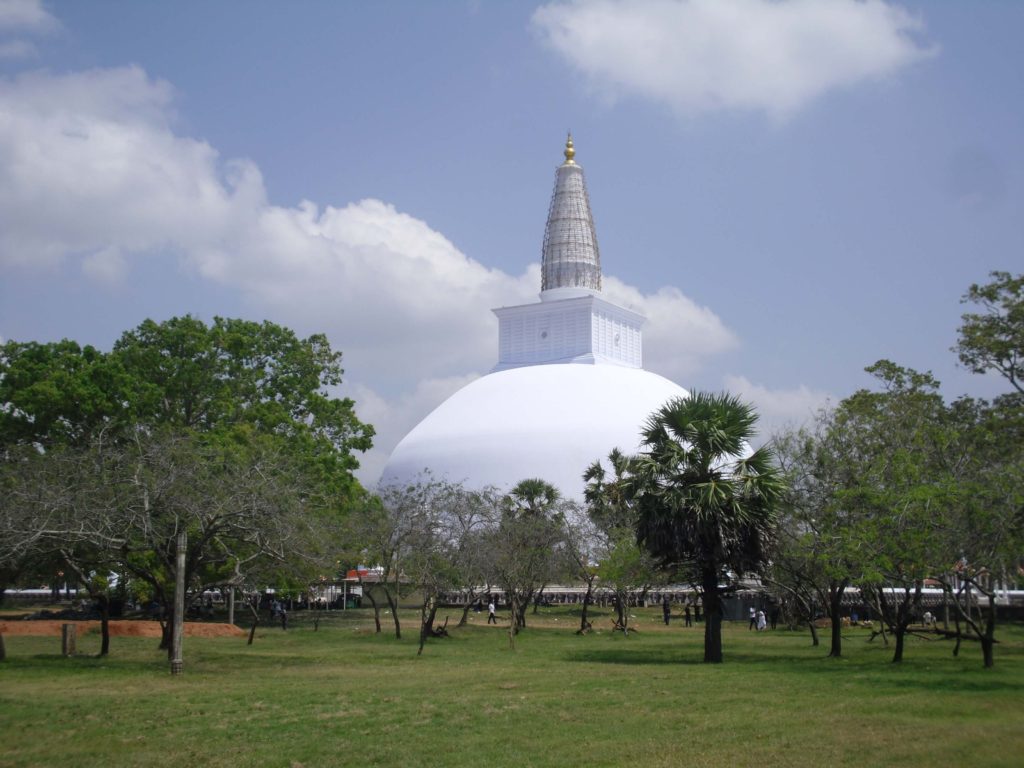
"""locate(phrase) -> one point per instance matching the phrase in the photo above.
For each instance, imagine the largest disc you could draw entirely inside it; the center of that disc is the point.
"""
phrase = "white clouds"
(88, 163)
(778, 408)
(17, 49)
(23, 17)
(679, 335)
(93, 175)
(702, 56)
(26, 16)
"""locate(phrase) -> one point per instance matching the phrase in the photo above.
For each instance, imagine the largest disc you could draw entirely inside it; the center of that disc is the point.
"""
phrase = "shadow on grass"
(82, 663)
(646, 656)
(931, 674)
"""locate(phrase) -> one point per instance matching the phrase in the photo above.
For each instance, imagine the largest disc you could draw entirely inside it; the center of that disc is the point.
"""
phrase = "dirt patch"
(118, 628)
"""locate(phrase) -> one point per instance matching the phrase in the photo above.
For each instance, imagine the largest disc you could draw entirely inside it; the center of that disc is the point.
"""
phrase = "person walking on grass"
(753, 618)
(491, 618)
(687, 619)
(762, 622)
(666, 610)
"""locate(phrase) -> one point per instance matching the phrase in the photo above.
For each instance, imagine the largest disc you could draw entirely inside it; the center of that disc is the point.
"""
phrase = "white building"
(569, 385)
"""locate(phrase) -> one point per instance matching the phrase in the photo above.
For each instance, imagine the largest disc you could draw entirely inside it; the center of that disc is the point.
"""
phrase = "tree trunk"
(900, 632)
(904, 613)
(814, 633)
(537, 599)
(464, 619)
(835, 606)
(104, 625)
(959, 635)
(252, 629)
(513, 625)
(584, 624)
(712, 617)
(393, 605)
(987, 651)
(879, 605)
(987, 638)
(523, 603)
(3, 648)
(622, 612)
(376, 609)
(427, 613)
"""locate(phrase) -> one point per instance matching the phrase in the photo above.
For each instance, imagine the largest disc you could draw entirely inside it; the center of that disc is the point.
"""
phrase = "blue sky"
(789, 190)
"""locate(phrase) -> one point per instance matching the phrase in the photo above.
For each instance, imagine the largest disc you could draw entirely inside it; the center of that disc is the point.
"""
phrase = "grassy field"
(343, 696)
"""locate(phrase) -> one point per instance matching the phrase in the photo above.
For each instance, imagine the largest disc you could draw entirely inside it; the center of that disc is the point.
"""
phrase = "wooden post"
(68, 639)
(177, 663)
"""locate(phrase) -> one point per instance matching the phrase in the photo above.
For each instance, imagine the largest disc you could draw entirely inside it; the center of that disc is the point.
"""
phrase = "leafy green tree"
(819, 549)
(584, 547)
(899, 463)
(189, 426)
(993, 340)
(261, 376)
(184, 374)
(526, 545)
(895, 487)
(58, 394)
(988, 530)
(623, 566)
(390, 528)
(982, 536)
(466, 518)
(245, 504)
(705, 502)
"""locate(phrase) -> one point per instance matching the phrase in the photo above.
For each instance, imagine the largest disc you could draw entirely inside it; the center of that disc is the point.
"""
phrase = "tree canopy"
(230, 431)
(993, 339)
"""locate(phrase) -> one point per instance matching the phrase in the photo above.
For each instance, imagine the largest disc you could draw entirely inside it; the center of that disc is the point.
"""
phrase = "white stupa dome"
(544, 421)
(569, 385)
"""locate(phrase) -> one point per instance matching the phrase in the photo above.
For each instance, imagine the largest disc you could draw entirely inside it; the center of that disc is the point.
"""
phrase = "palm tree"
(705, 502)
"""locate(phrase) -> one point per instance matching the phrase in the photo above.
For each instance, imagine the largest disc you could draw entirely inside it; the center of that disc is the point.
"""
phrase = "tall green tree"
(993, 339)
(184, 374)
(261, 376)
(526, 545)
(58, 394)
(705, 502)
(819, 549)
(982, 536)
(988, 532)
(900, 459)
(189, 426)
(623, 565)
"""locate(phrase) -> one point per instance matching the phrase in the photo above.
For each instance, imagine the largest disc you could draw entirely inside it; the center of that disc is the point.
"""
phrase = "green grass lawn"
(346, 697)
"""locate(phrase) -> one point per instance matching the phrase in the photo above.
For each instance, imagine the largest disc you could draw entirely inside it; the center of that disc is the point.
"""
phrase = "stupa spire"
(570, 256)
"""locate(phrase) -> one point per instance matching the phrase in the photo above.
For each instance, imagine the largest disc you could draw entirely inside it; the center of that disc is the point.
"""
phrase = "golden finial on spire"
(570, 151)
